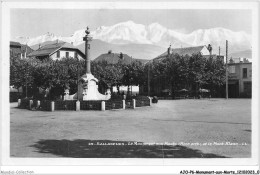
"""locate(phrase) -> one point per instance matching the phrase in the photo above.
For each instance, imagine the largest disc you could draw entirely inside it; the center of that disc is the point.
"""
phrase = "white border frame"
(5, 114)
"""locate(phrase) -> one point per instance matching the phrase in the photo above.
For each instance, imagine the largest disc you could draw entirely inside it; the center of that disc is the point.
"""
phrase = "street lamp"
(148, 82)
(26, 81)
(77, 77)
(226, 69)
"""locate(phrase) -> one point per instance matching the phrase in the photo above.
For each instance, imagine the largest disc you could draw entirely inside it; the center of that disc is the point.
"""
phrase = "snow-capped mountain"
(153, 34)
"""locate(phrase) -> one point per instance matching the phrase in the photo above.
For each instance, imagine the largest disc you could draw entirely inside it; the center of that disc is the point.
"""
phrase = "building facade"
(57, 51)
(114, 58)
(239, 78)
(18, 50)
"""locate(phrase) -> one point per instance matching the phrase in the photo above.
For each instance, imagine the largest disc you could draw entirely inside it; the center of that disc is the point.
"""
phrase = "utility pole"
(26, 81)
(226, 69)
(77, 77)
(219, 51)
(148, 79)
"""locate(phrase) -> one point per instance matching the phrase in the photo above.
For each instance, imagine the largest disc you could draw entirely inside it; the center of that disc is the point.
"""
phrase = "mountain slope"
(122, 34)
(141, 51)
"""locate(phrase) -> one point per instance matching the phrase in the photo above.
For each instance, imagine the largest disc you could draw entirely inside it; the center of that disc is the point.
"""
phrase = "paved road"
(193, 124)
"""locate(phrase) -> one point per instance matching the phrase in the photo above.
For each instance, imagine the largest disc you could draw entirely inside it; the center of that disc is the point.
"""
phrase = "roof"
(16, 49)
(183, 51)
(48, 49)
(12, 43)
(113, 58)
(143, 61)
(239, 60)
(214, 56)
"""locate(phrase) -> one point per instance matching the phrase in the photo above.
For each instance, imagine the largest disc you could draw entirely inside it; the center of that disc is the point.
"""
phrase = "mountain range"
(148, 41)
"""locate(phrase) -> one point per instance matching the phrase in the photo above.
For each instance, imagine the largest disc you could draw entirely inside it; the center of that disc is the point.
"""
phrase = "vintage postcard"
(130, 83)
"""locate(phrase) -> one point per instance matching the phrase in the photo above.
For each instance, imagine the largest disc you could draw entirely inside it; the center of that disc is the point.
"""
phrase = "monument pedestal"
(88, 89)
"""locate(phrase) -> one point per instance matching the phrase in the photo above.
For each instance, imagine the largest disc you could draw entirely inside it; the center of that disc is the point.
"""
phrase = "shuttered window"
(244, 72)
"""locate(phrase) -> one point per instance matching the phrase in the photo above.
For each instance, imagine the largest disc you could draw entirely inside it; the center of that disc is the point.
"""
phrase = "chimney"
(245, 60)
(241, 60)
(39, 45)
(121, 56)
(57, 41)
(109, 52)
(210, 49)
(169, 50)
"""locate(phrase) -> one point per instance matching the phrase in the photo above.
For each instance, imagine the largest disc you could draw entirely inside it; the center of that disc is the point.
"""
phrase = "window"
(232, 69)
(67, 54)
(75, 55)
(244, 72)
(58, 54)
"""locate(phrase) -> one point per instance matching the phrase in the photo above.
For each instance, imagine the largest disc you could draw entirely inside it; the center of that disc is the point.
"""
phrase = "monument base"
(88, 90)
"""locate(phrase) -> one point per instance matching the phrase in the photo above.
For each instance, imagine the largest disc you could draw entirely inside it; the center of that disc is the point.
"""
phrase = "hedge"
(65, 105)
(114, 104)
(90, 105)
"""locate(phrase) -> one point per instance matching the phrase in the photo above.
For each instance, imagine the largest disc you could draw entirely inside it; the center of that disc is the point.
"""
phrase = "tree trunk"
(128, 90)
(111, 90)
(118, 91)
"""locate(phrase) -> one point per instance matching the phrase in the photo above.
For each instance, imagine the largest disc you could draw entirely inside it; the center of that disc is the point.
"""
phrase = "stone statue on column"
(88, 88)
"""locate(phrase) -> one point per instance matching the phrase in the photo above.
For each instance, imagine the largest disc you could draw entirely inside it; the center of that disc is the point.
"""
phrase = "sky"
(63, 22)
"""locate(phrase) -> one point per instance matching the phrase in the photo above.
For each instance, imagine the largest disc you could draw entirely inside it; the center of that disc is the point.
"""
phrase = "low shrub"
(90, 105)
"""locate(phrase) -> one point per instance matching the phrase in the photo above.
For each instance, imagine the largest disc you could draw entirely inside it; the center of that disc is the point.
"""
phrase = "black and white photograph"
(130, 83)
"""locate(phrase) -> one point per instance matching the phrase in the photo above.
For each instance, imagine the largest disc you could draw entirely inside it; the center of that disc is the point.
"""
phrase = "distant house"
(26, 50)
(15, 49)
(18, 50)
(239, 77)
(57, 51)
(113, 58)
(203, 50)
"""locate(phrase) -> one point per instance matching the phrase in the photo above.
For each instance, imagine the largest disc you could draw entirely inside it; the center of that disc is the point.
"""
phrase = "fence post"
(19, 103)
(123, 104)
(103, 106)
(38, 104)
(150, 101)
(133, 103)
(30, 104)
(52, 106)
(78, 106)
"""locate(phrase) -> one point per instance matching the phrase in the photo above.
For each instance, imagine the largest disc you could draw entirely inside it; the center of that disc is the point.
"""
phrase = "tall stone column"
(87, 39)
(87, 87)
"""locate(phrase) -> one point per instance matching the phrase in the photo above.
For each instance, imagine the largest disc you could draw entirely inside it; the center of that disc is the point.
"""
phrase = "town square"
(68, 134)
(110, 87)
(186, 101)
(124, 87)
